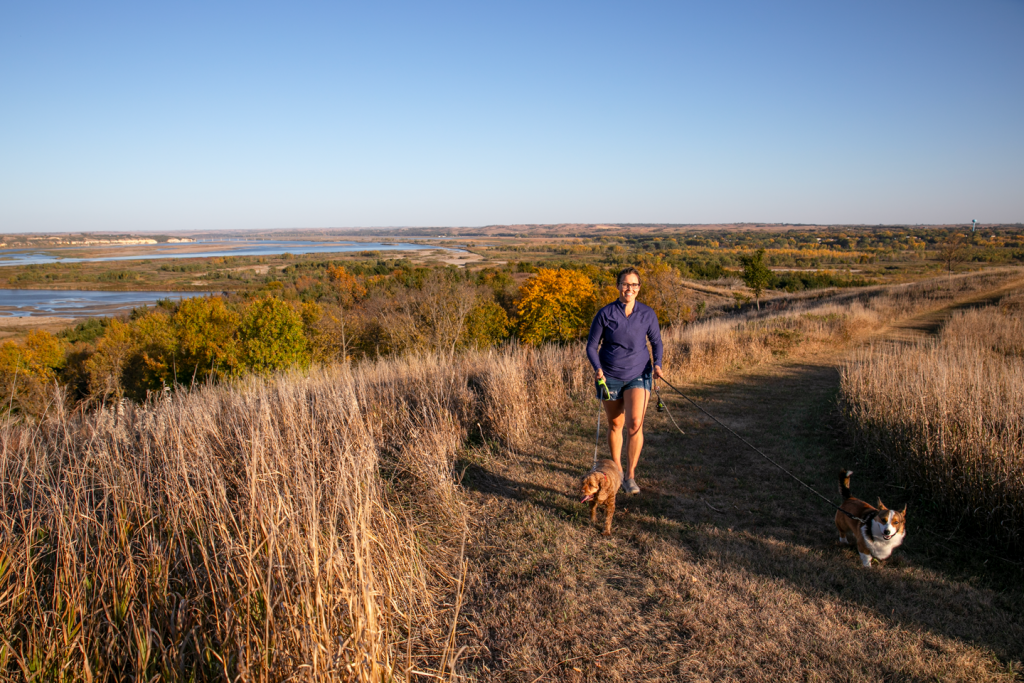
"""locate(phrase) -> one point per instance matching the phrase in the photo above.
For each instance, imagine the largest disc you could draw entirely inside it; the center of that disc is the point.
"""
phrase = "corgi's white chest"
(881, 547)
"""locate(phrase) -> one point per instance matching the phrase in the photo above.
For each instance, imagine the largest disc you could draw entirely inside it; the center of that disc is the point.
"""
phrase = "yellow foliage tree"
(329, 331)
(486, 325)
(207, 338)
(151, 365)
(107, 365)
(555, 305)
(28, 369)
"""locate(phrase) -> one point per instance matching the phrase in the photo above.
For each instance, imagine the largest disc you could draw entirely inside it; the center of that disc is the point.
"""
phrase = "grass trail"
(928, 323)
(723, 568)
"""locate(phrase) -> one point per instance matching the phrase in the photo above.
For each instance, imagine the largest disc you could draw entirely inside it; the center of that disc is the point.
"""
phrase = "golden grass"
(708, 348)
(947, 415)
(720, 570)
(305, 525)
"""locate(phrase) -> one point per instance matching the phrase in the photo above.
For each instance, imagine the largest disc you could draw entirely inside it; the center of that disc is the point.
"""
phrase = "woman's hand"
(599, 375)
(657, 372)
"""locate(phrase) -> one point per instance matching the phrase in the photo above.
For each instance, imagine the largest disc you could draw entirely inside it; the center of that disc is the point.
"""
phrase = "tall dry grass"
(305, 526)
(302, 526)
(894, 302)
(947, 417)
(710, 347)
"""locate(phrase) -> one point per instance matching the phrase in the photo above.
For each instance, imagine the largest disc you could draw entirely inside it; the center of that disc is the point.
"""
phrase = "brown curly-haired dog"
(599, 487)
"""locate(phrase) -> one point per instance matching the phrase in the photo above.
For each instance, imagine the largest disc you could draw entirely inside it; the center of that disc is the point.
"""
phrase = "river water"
(78, 304)
(22, 303)
(16, 257)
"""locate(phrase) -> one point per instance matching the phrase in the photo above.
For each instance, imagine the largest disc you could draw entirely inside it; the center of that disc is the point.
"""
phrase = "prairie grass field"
(414, 518)
(820, 322)
(947, 415)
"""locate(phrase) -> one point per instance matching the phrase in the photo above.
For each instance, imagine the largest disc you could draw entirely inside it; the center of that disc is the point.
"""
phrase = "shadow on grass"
(917, 589)
(482, 480)
(912, 599)
(708, 493)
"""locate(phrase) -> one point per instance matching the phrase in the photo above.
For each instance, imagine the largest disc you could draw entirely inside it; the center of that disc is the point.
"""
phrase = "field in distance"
(856, 255)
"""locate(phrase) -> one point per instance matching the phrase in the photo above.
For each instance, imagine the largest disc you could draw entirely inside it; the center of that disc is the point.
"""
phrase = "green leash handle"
(607, 393)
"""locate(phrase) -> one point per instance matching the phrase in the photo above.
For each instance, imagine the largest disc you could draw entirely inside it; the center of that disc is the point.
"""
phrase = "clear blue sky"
(207, 115)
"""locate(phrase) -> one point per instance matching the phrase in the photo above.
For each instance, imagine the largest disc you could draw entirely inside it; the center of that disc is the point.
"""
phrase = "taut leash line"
(758, 451)
(862, 521)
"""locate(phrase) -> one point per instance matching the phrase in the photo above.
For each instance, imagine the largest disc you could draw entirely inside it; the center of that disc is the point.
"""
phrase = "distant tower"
(974, 225)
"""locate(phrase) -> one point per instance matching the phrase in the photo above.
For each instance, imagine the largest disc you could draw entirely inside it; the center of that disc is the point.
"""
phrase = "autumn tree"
(270, 335)
(396, 326)
(555, 305)
(330, 324)
(486, 325)
(664, 291)
(206, 330)
(756, 275)
(346, 286)
(952, 251)
(444, 308)
(150, 366)
(106, 366)
(28, 371)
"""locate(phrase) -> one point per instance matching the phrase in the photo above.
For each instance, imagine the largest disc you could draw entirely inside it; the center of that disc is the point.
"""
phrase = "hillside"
(415, 518)
(723, 568)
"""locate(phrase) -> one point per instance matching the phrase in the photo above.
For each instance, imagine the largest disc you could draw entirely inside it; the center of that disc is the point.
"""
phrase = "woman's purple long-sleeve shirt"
(623, 341)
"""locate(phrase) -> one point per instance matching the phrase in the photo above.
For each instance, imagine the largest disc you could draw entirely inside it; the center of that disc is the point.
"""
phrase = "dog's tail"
(844, 483)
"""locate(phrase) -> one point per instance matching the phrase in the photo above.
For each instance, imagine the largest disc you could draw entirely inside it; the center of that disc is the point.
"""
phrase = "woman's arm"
(593, 341)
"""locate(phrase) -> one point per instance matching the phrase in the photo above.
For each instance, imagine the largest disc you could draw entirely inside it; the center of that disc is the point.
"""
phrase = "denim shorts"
(617, 386)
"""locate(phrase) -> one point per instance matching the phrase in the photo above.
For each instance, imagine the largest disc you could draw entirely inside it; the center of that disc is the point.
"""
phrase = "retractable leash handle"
(604, 387)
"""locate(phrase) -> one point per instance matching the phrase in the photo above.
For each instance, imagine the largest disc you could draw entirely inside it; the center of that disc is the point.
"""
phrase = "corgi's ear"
(904, 510)
(881, 505)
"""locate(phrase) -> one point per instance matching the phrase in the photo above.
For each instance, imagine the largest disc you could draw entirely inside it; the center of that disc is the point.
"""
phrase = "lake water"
(14, 257)
(22, 303)
(76, 304)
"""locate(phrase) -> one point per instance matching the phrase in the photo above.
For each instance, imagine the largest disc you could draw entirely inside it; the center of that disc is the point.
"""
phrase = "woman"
(622, 329)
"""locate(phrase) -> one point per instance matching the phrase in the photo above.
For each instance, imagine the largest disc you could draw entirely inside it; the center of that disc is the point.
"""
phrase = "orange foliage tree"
(555, 305)
(664, 290)
(346, 285)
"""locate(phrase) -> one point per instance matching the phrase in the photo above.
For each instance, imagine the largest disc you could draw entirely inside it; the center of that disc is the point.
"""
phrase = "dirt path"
(928, 323)
(722, 568)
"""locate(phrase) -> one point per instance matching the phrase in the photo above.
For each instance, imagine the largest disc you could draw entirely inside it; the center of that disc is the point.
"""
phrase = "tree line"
(317, 313)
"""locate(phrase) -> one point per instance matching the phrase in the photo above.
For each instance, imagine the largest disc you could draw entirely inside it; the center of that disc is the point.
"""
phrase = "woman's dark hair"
(624, 272)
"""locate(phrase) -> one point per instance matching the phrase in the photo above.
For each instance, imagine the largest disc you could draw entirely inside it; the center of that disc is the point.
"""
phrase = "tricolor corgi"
(877, 532)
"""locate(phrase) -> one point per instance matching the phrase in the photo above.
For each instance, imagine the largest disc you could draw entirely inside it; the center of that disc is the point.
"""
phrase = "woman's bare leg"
(616, 420)
(633, 412)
